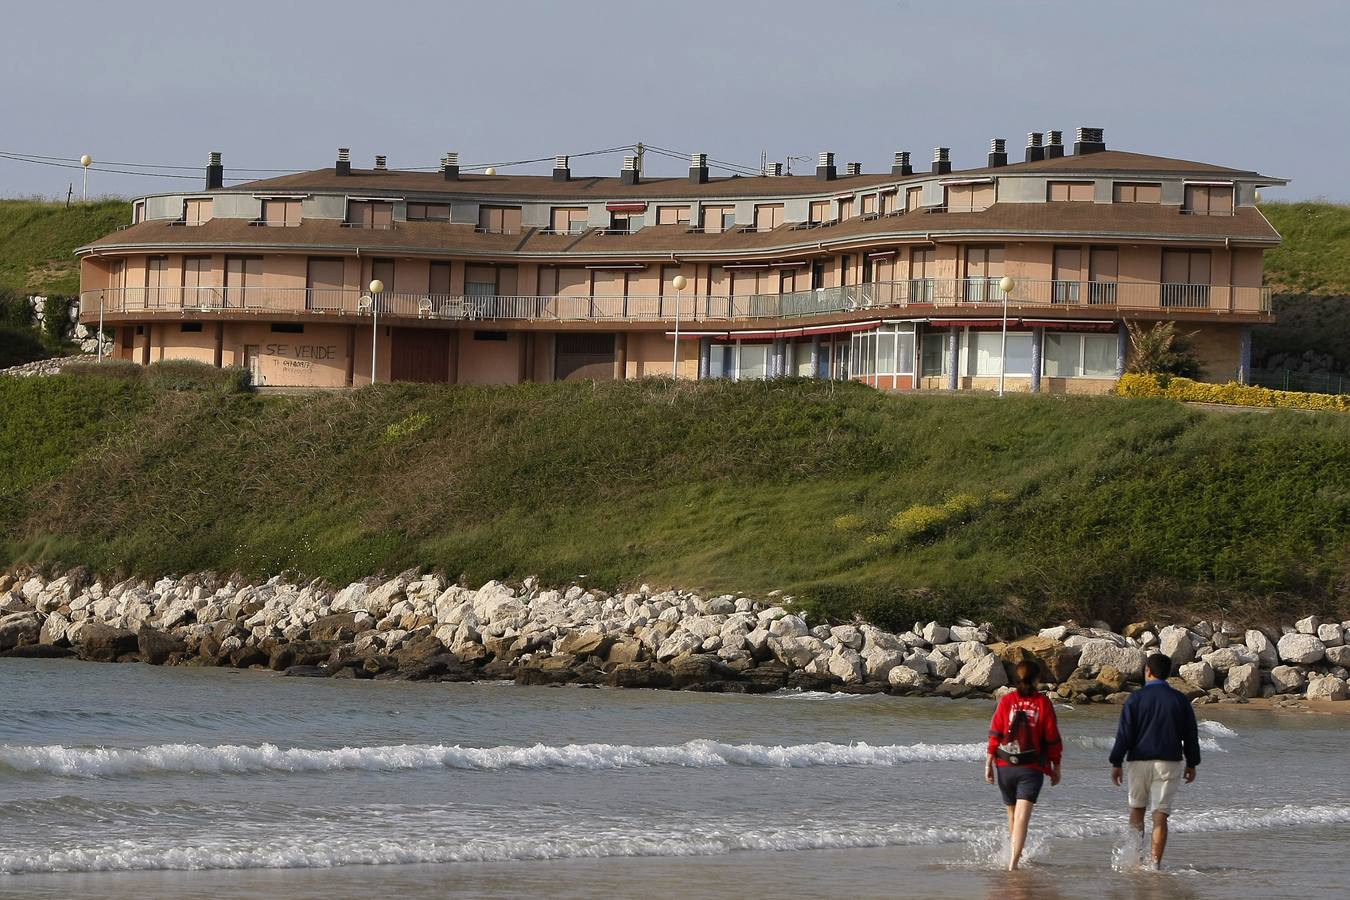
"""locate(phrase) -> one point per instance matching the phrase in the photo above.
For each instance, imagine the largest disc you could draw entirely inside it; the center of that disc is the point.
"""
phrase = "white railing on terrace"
(913, 295)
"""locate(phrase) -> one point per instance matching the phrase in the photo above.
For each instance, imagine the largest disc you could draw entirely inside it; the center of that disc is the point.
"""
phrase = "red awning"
(626, 206)
(972, 323)
(1061, 325)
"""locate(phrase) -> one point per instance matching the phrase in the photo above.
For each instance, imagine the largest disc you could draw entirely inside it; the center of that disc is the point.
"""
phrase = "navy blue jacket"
(1157, 723)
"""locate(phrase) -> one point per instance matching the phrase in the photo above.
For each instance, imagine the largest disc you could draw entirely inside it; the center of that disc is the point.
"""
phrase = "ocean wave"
(301, 851)
(799, 694)
(1105, 743)
(1217, 729)
(100, 762)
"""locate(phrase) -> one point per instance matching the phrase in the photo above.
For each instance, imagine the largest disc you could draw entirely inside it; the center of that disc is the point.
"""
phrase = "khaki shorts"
(1153, 783)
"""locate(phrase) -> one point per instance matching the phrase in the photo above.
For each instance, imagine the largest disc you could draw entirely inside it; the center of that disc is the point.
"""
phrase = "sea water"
(134, 781)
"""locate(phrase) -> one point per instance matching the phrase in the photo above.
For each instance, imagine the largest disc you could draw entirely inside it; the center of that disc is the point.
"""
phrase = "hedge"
(1231, 394)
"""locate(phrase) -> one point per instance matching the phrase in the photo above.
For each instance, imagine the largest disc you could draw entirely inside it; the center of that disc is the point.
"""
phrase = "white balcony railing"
(915, 294)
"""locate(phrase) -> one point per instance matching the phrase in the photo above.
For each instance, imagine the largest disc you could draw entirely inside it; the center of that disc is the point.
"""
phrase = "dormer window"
(1136, 192)
(820, 212)
(428, 212)
(1209, 199)
(672, 215)
(970, 196)
(717, 219)
(913, 198)
(1070, 191)
(370, 214)
(499, 219)
(768, 216)
(281, 213)
(569, 219)
(196, 210)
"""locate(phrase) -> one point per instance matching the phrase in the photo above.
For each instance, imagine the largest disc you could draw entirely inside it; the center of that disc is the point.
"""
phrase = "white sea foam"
(1217, 729)
(1105, 743)
(301, 851)
(81, 762)
(799, 694)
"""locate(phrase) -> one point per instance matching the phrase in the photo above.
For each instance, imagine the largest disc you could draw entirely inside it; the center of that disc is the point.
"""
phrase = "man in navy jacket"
(1157, 731)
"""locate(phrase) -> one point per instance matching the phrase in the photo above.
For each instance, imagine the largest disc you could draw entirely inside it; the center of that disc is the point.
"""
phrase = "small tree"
(1162, 350)
(56, 318)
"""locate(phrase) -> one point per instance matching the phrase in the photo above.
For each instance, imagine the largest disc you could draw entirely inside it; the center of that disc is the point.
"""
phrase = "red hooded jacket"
(1040, 712)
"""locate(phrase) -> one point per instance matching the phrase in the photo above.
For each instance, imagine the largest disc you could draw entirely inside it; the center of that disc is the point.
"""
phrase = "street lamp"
(678, 282)
(1005, 286)
(85, 162)
(376, 288)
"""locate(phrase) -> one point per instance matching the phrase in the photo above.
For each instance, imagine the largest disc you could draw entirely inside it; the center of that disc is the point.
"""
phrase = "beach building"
(334, 276)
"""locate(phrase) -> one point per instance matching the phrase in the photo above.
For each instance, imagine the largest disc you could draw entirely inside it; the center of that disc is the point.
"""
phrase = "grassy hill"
(1315, 255)
(901, 507)
(37, 239)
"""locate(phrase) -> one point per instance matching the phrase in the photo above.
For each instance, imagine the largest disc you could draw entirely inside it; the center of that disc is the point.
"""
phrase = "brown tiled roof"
(1116, 221)
(395, 182)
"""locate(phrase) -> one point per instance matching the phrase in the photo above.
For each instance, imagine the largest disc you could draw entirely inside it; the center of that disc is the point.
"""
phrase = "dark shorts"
(1019, 783)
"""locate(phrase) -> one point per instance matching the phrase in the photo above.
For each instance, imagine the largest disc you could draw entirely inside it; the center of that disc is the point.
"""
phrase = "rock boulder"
(1301, 649)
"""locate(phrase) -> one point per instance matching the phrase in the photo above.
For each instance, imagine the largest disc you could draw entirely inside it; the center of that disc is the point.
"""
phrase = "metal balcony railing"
(480, 304)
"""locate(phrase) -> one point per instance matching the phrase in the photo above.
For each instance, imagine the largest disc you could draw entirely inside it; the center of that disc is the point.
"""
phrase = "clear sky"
(282, 84)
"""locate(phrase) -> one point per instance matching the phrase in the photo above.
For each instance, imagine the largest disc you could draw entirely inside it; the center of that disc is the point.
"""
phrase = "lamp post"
(1005, 286)
(100, 326)
(678, 282)
(376, 288)
(85, 162)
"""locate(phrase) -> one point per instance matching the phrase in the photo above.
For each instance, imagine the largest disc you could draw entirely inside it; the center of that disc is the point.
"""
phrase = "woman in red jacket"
(1024, 747)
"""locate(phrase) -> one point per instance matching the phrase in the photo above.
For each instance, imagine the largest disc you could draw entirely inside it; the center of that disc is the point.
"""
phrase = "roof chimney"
(1035, 152)
(629, 175)
(698, 168)
(450, 167)
(901, 165)
(1054, 147)
(344, 162)
(942, 160)
(825, 167)
(853, 169)
(380, 164)
(561, 170)
(998, 153)
(215, 172)
(1090, 140)
(775, 170)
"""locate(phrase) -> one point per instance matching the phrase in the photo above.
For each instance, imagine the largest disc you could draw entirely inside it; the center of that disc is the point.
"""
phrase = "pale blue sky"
(282, 84)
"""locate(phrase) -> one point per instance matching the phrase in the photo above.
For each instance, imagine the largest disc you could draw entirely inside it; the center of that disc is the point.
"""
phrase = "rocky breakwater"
(416, 626)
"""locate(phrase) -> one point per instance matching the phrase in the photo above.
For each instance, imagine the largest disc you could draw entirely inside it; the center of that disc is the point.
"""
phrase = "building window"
(196, 210)
(370, 214)
(934, 353)
(913, 198)
(752, 362)
(429, 212)
(717, 219)
(886, 202)
(1136, 192)
(768, 216)
(984, 349)
(1186, 277)
(156, 281)
(499, 219)
(1103, 273)
(138, 212)
(672, 215)
(1080, 355)
(922, 268)
(288, 328)
(325, 283)
(889, 350)
(969, 197)
(1070, 191)
(1208, 200)
(438, 279)
(280, 213)
(626, 222)
(190, 327)
(820, 212)
(1067, 271)
(869, 204)
(845, 209)
(721, 361)
(984, 269)
(568, 220)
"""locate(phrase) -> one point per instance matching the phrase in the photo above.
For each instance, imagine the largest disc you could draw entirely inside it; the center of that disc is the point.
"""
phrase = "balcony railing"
(913, 295)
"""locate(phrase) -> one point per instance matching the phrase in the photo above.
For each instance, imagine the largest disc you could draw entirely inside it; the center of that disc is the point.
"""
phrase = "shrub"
(920, 521)
(55, 318)
(406, 427)
(1162, 350)
(1231, 394)
(848, 522)
(15, 312)
(190, 375)
(19, 346)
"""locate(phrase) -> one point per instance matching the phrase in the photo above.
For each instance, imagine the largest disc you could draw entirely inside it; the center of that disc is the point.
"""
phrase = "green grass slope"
(1019, 509)
(37, 240)
(1315, 255)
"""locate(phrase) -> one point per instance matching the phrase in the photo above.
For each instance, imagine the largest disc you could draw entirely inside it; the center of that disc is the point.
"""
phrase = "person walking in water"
(1024, 747)
(1157, 730)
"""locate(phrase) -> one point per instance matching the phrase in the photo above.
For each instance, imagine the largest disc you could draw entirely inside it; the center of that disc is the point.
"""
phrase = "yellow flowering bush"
(1231, 394)
(848, 522)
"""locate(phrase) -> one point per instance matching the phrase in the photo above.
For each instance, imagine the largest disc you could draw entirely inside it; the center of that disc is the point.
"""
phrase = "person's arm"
(1051, 741)
(1125, 738)
(997, 727)
(1190, 740)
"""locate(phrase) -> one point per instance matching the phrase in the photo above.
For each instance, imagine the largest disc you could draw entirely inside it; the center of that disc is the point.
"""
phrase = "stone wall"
(86, 337)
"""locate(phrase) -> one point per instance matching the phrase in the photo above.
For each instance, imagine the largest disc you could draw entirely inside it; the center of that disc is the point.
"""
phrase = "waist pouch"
(1025, 758)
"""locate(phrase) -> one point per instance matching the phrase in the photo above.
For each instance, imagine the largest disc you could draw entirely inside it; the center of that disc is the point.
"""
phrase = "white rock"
(718, 606)
(1058, 633)
(934, 633)
(905, 676)
(1243, 680)
(1129, 661)
(1228, 657)
(1339, 655)
(965, 633)
(941, 666)
(1288, 679)
(757, 639)
(878, 662)
(1301, 648)
(1263, 647)
(773, 612)
(875, 637)
(968, 650)
(985, 672)
(1175, 642)
(848, 636)
(1327, 687)
(1200, 674)
(795, 651)
(495, 602)
(845, 663)
(1331, 634)
(788, 626)
(53, 629)
(1308, 625)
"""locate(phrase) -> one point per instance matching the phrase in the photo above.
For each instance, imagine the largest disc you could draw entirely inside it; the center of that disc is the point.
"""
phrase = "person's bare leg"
(1010, 829)
(1137, 823)
(1159, 836)
(1021, 818)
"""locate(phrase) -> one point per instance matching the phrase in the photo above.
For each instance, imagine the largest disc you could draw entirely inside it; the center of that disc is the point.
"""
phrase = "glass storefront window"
(1099, 355)
(753, 362)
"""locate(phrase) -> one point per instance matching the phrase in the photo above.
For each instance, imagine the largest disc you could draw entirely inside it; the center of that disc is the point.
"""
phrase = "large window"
(845, 208)
(672, 215)
(156, 280)
(569, 219)
(1185, 275)
(913, 198)
(768, 216)
(1208, 200)
(885, 351)
(969, 197)
(429, 212)
(196, 210)
(499, 219)
(326, 280)
(820, 212)
(1103, 272)
(1080, 355)
(922, 268)
(241, 273)
(370, 214)
(1137, 192)
(717, 219)
(626, 222)
(282, 213)
(1073, 191)
(935, 355)
(984, 270)
(984, 349)
(1067, 272)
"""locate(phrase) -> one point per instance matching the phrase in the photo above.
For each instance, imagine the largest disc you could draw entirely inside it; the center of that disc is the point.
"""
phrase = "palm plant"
(1162, 350)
